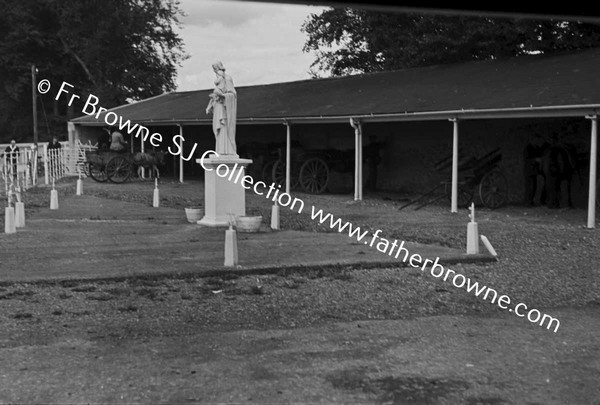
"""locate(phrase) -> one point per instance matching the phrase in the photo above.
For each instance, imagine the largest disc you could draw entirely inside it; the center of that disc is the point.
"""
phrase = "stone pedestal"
(223, 191)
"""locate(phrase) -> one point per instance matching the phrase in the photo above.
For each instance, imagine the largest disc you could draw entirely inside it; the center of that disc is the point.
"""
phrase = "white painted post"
(46, 174)
(489, 246)
(454, 200)
(231, 250)
(156, 195)
(360, 162)
(28, 179)
(275, 220)
(591, 220)
(472, 232)
(142, 150)
(9, 220)
(5, 173)
(53, 197)
(19, 214)
(181, 156)
(354, 125)
(288, 157)
(356, 158)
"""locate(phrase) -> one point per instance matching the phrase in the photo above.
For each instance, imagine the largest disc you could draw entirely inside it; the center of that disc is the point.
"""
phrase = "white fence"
(27, 166)
(18, 168)
(66, 161)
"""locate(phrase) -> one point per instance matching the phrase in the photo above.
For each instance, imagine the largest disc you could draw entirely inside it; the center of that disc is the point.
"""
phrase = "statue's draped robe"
(224, 116)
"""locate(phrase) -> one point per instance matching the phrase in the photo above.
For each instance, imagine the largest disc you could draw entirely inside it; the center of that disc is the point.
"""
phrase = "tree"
(115, 49)
(348, 41)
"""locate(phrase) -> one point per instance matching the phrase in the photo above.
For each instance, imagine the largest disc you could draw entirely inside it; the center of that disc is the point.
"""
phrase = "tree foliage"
(348, 41)
(114, 49)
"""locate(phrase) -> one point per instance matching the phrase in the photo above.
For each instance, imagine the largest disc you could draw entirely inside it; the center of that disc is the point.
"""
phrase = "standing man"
(557, 168)
(12, 156)
(373, 158)
(532, 158)
(105, 139)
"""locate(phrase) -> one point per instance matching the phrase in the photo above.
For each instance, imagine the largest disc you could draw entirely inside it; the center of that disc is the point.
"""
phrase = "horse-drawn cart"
(106, 165)
(311, 169)
(475, 175)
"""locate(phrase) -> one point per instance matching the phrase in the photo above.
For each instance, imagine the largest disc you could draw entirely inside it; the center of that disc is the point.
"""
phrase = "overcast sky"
(257, 42)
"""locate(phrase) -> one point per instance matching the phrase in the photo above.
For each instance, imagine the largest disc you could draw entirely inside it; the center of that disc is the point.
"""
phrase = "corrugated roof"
(517, 83)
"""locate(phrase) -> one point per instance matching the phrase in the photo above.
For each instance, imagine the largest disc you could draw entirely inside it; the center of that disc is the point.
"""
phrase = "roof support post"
(454, 199)
(142, 150)
(181, 155)
(358, 152)
(360, 162)
(591, 220)
(288, 155)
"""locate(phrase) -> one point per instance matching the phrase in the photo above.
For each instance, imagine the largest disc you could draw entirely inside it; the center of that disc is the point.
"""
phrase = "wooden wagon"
(106, 165)
(310, 169)
(476, 175)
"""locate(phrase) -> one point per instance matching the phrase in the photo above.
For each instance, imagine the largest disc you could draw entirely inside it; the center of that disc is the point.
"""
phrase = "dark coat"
(56, 145)
(12, 154)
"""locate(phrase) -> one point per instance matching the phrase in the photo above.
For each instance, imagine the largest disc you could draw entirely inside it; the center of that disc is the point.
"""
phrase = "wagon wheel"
(118, 169)
(493, 189)
(314, 176)
(465, 194)
(97, 172)
(278, 174)
(83, 168)
(267, 171)
(86, 170)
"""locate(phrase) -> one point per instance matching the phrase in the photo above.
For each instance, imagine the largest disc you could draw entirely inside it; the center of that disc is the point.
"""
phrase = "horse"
(149, 160)
(558, 164)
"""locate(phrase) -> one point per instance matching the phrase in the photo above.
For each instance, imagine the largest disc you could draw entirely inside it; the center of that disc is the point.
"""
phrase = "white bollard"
(20, 215)
(472, 234)
(489, 246)
(9, 220)
(275, 216)
(231, 251)
(79, 187)
(156, 198)
(53, 200)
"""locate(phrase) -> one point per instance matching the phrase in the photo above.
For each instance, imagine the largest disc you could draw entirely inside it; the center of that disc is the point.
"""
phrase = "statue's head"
(218, 65)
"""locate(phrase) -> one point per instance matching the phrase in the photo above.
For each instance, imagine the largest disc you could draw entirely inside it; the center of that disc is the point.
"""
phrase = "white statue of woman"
(223, 104)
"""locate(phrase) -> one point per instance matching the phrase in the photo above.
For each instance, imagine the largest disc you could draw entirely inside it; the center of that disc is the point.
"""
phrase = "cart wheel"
(86, 170)
(97, 172)
(493, 189)
(267, 171)
(465, 194)
(314, 176)
(278, 175)
(118, 169)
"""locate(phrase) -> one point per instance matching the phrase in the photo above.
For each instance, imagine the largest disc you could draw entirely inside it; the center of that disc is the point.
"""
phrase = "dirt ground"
(318, 335)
